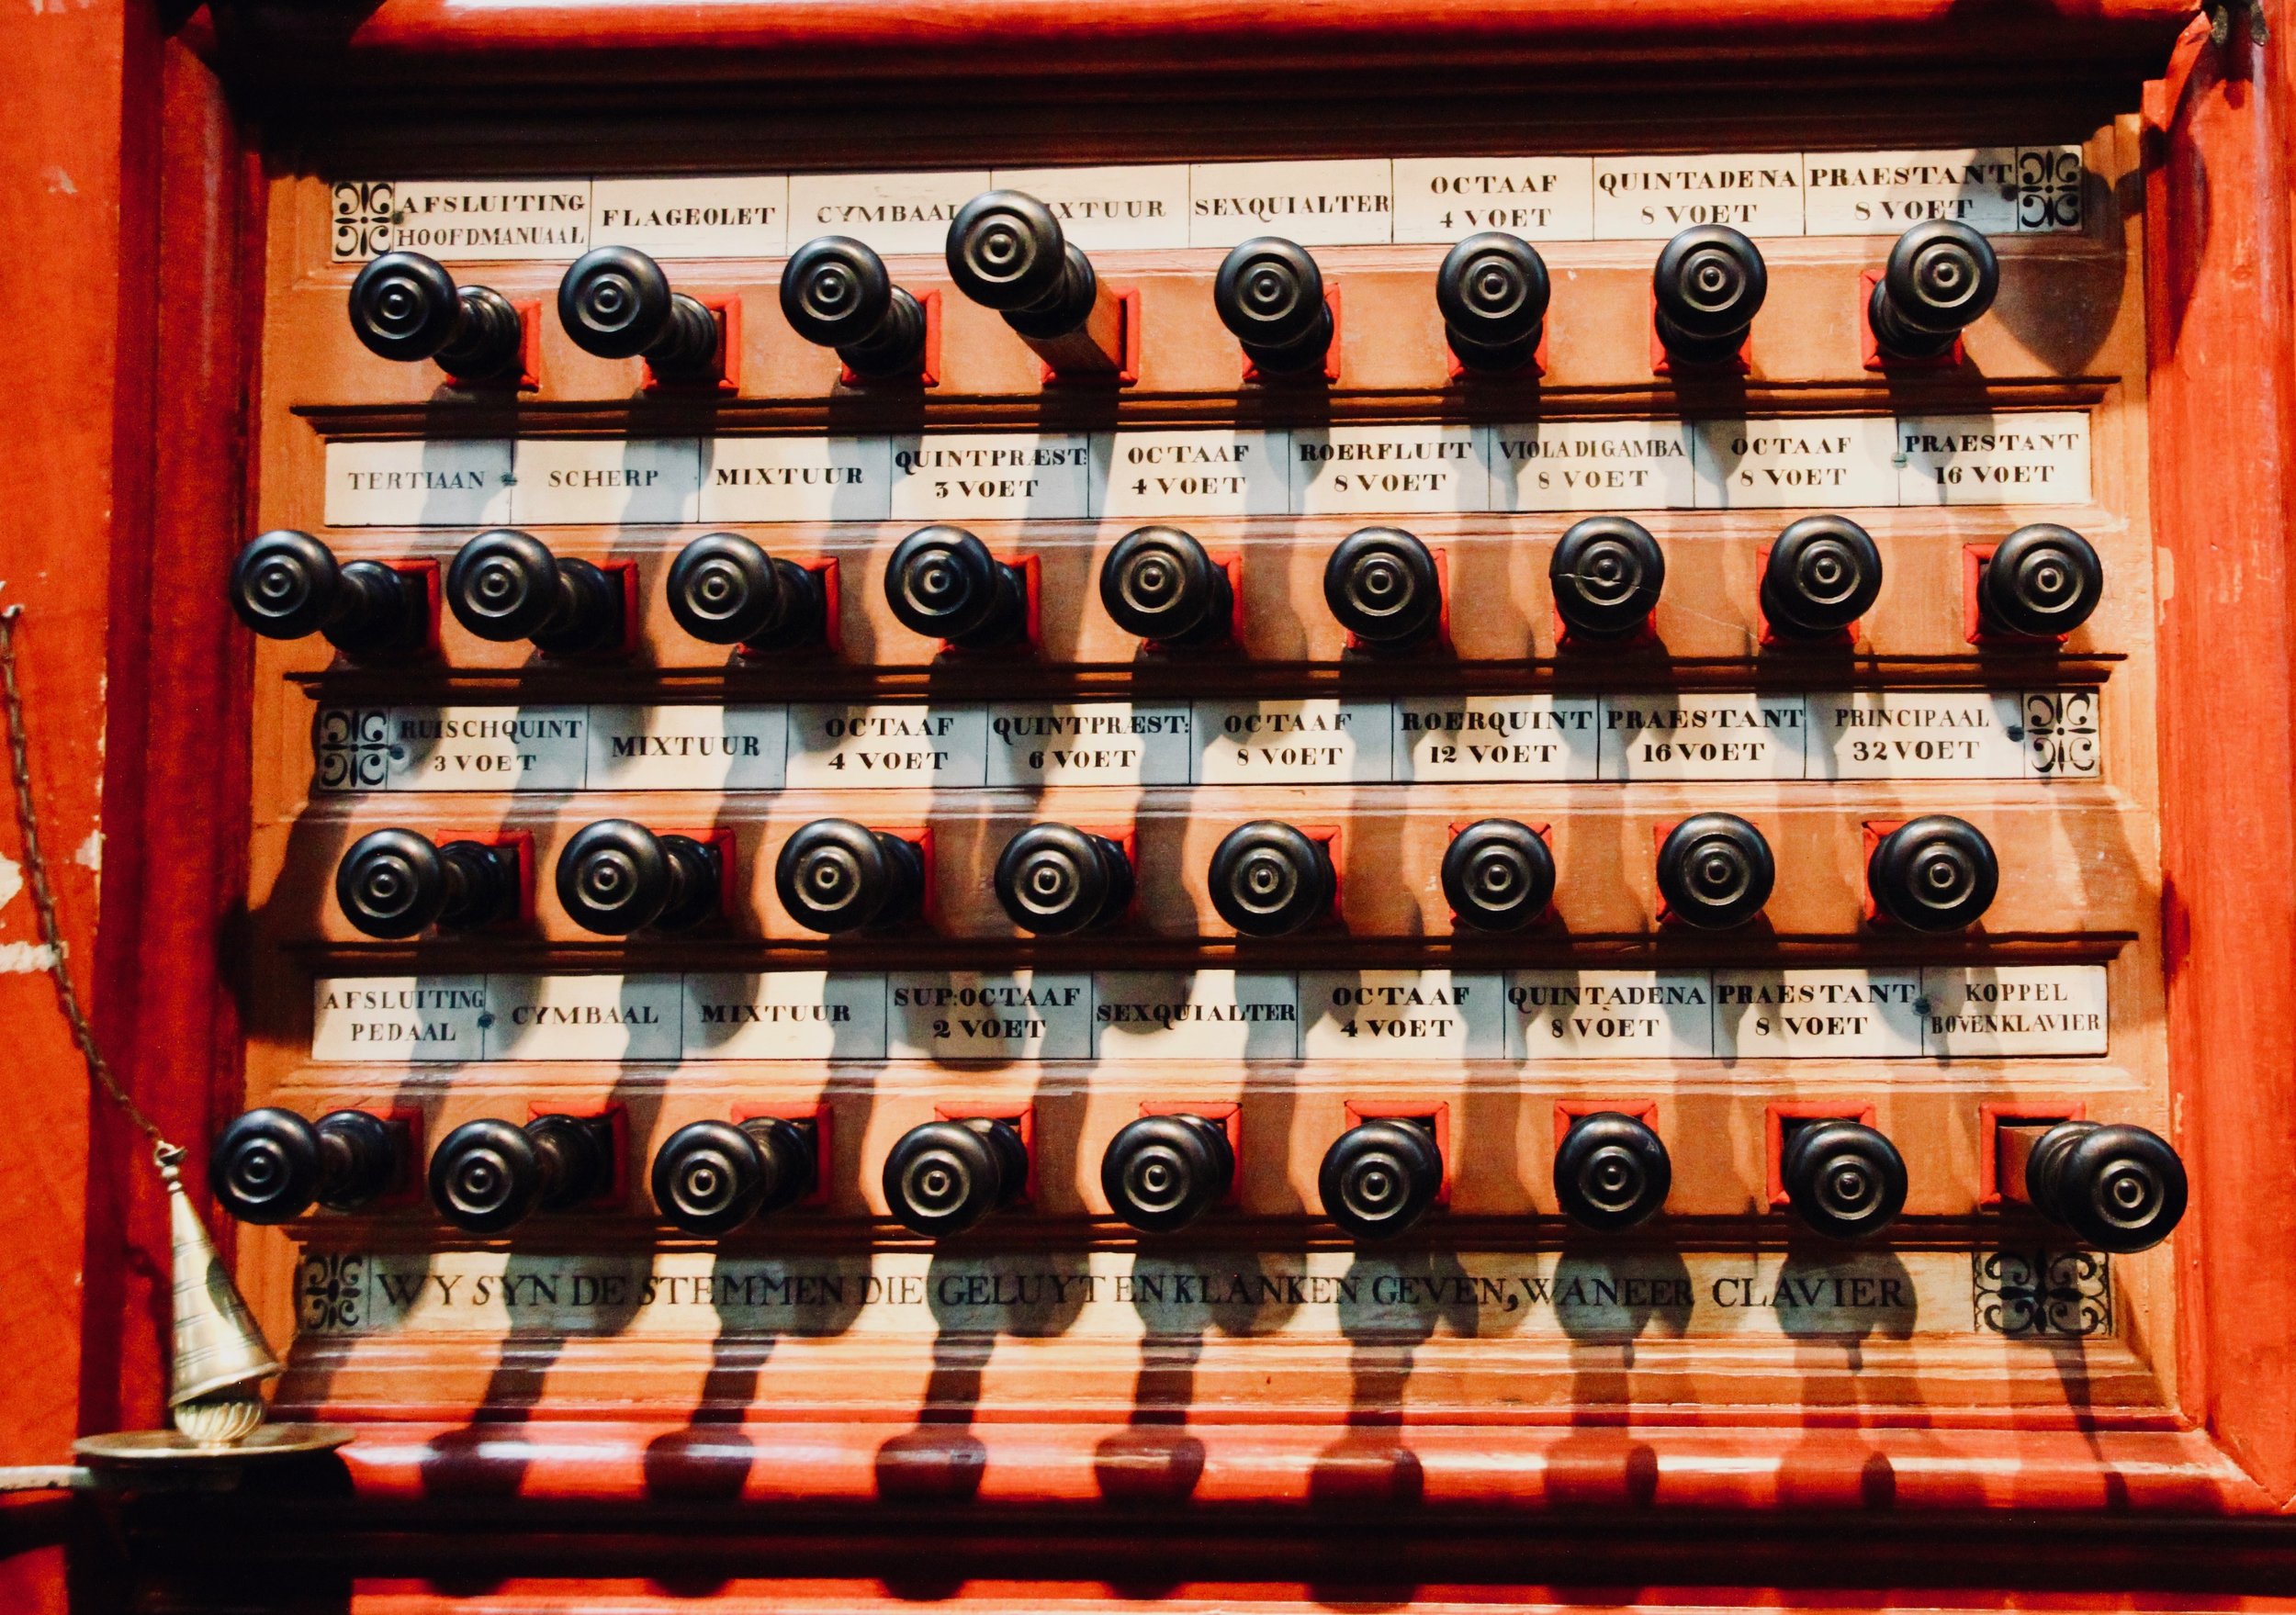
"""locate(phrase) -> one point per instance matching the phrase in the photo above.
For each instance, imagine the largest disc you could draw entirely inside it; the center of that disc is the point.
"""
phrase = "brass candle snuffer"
(218, 1359)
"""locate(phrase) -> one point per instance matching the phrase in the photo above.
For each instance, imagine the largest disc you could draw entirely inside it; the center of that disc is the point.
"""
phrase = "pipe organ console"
(1284, 823)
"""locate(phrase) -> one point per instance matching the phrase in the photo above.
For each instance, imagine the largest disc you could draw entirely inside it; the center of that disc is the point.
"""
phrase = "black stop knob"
(1612, 1171)
(1710, 282)
(790, 1149)
(391, 883)
(1161, 1172)
(943, 581)
(1054, 880)
(406, 307)
(708, 1178)
(287, 584)
(2121, 1188)
(1381, 585)
(361, 1156)
(1941, 278)
(615, 302)
(1845, 1180)
(1716, 872)
(1007, 251)
(1824, 573)
(1607, 574)
(265, 1166)
(577, 1159)
(1379, 1177)
(943, 1177)
(711, 1177)
(1158, 583)
(1270, 294)
(1492, 290)
(482, 885)
(835, 293)
(835, 876)
(486, 1176)
(394, 882)
(269, 1166)
(506, 585)
(616, 876)
(1268, 879)
(1498, 875)
(1934, 873)
(725, 590)
(403, 305)
(2041, 580)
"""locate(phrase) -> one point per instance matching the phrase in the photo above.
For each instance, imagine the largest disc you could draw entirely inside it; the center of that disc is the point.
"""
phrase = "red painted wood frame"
(132, 213)
(424, 40)
(2223, 390)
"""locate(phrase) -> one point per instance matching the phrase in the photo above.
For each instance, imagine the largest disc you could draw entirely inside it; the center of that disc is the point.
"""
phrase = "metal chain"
(44, 898)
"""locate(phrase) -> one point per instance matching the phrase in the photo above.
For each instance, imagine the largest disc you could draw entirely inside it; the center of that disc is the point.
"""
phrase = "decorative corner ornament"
(2220, 16)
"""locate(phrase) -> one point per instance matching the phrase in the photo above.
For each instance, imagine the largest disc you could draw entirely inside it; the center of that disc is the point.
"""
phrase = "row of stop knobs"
(1007, 251)
(1716, 872)
(1382, 584)
(2118, 1187)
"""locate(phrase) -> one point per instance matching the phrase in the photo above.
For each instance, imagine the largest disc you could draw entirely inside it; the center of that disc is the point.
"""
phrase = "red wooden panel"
(2222, 395)
(60, 185)
(64, 192)
(826, 38)
(1437, 1468)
